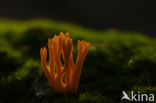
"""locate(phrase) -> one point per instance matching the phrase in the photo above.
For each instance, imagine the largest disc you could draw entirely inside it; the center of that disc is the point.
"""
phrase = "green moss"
(116, 61)
(86, 97)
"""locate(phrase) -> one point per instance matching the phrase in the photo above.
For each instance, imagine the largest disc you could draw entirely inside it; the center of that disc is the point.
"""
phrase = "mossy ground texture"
(116, 61)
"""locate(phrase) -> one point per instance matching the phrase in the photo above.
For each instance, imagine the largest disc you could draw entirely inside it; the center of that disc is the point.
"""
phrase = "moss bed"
(116, 61)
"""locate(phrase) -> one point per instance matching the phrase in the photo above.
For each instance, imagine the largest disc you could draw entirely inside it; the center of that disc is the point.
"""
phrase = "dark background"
(138, 15)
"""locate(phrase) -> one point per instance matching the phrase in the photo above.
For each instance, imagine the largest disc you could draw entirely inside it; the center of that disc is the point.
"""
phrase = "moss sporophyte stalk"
(63, 78)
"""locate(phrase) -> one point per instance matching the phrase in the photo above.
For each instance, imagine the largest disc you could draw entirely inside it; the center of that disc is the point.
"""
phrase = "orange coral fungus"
(63, 79)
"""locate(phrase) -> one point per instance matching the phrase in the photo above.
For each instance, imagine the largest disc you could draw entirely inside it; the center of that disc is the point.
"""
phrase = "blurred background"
(122, 55)
(123, 15)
